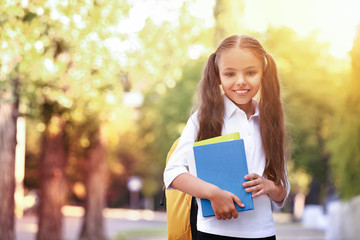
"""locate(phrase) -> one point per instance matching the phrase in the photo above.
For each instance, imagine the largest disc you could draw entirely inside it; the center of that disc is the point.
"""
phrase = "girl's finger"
(235, 213)
(251, 176)
(256, 187)
(257, 194)
(250, 183)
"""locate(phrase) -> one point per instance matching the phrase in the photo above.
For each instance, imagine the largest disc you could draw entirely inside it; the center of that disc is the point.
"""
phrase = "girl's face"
(240, 75)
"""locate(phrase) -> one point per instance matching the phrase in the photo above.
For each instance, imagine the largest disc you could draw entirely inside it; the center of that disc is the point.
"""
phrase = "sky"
(335, 20)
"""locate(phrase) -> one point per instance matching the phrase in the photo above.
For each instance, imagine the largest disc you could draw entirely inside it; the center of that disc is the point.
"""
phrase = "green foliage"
(345, 142)
(346, 155)
(164, 115)
(170, 116)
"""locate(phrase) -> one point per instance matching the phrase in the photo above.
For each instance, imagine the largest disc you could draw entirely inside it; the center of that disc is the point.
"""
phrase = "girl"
(241, 67)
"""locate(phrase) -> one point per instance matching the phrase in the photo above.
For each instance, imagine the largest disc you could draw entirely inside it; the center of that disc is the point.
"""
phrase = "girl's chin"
(241, 102)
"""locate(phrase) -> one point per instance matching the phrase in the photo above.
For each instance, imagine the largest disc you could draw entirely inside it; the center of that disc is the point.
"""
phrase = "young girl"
(240, 67)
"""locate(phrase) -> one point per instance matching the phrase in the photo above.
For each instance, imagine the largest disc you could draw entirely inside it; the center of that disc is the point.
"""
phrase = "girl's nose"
(241, 80)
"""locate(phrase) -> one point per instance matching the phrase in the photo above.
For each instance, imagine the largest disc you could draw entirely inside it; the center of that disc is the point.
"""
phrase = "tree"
(8, 113)
(96, 175)
(345, 141)
(9, 103)
(53, 188)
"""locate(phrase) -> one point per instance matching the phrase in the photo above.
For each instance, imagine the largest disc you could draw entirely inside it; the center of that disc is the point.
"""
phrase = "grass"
(141, 233)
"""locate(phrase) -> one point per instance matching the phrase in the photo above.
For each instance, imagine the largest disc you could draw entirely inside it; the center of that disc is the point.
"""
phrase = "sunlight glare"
(203, 9)
(336, 20)
(163, 11)
(195, 51)
(49, 65)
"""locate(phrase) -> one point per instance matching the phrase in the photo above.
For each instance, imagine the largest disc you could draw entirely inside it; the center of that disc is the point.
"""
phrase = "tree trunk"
(95, 182)
(8, 116)
(52, 178)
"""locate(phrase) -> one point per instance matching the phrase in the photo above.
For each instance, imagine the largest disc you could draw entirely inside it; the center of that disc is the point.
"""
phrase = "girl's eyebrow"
(251, 67)
(246, 68)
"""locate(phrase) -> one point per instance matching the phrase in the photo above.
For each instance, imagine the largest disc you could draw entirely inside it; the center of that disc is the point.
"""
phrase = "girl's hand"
(259, 186)
(222, 203)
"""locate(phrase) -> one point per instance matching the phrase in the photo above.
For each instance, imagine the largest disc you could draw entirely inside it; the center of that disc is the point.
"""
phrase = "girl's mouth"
(241, 92)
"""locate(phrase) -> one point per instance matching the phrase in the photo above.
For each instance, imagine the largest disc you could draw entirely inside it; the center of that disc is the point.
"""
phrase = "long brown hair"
(212, 108)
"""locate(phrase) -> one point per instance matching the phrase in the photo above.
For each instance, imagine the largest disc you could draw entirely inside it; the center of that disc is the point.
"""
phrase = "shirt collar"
(230, 107)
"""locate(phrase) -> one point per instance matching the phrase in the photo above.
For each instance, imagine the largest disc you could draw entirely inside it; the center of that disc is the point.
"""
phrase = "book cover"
(224, 165)
(222, 138)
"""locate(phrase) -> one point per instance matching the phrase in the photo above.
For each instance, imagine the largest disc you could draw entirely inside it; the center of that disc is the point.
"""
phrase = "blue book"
(224, 165)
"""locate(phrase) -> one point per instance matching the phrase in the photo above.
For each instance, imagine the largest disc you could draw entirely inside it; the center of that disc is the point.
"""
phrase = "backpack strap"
(193, 218)
(163, 198)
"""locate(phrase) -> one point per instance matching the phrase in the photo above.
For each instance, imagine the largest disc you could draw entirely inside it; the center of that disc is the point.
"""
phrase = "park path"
(117, 222)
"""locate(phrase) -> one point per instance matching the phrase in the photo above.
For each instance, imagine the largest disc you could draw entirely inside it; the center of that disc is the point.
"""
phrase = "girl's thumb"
(238, 201)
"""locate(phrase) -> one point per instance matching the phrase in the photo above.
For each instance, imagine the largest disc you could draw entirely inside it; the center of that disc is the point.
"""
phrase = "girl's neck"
(248, 108)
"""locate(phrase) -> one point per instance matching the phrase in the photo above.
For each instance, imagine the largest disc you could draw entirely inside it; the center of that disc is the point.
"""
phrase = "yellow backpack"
(181, 211)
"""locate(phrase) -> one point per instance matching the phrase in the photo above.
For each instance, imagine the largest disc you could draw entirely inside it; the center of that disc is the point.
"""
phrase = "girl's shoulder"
(193, 119)
(194, 114)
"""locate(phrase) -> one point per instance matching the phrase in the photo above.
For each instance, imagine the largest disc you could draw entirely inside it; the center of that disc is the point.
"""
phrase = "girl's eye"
(251, 73)
(230, 74)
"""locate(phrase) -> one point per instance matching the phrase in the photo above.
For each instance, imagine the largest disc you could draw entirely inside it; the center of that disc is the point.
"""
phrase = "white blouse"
(255, 223)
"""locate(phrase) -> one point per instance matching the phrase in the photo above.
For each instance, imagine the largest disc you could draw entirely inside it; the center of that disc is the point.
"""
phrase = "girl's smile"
(242, 92)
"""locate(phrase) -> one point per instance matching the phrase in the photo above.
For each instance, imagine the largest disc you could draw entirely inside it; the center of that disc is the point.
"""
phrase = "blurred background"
(94, 92)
